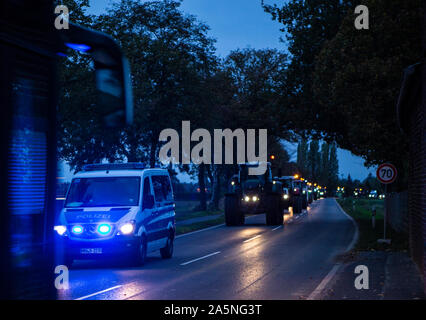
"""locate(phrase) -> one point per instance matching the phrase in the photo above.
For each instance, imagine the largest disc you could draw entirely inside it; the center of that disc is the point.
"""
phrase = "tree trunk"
(214, 203)
(202, 186)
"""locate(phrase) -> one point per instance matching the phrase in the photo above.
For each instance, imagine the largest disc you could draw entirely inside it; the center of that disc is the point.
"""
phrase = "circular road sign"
(386, 173)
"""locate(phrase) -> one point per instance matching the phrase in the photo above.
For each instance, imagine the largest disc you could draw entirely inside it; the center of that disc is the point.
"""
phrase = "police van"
(125, 210)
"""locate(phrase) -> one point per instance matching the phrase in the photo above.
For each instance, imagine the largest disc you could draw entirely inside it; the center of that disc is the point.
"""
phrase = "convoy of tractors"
(257, 194)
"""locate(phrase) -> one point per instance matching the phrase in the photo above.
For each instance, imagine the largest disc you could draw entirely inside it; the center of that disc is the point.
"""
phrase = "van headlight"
(127, 228)
(60, 230)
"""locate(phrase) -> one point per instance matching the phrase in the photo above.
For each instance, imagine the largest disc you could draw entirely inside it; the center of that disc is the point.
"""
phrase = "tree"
(170, 56)
(349, 187)
(325, 163)
(358, 76)
(307, 25)
(314, 160)
(81, 135)
(302, 157)
(333, 168)
(257, 78)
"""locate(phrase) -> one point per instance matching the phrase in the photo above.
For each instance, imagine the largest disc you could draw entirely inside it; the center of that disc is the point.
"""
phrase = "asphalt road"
(249, 262)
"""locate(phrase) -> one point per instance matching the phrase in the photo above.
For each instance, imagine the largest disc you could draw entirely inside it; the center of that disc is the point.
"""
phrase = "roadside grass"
(186, 210)
(198, 225)
(360, 210)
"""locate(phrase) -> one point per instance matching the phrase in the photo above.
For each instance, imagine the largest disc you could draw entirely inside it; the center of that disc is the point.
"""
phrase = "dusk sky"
(241, 24)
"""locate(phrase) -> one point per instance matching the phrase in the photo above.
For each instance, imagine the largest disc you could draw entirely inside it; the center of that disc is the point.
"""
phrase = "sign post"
(386, 173)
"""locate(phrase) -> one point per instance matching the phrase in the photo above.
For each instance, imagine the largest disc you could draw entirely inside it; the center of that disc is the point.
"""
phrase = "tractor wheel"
(233, 214)
(297, 205)
(274, 214)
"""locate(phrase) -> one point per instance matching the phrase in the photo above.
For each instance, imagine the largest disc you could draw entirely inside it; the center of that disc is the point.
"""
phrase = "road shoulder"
(391, 275)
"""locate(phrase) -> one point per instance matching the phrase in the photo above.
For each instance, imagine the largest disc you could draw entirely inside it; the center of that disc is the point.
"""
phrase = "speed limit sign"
(386, 173)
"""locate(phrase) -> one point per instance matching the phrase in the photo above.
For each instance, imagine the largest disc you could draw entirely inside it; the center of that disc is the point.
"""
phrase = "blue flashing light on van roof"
(114, 166)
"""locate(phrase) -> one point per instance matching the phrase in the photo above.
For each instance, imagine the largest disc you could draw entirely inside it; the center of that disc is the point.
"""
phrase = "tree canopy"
(358, 75)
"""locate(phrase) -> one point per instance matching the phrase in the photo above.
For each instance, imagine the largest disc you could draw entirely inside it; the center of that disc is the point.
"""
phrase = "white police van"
(118, 209)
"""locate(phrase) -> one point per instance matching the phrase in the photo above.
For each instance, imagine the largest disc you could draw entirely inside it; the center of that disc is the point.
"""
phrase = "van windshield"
(103, 192)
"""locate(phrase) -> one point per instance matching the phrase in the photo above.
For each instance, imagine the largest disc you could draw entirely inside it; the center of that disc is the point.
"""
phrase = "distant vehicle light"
(247, 199)
(60, 229)
(104, 229)
(304, 191)
(285, 196)
(232, 183)
(127, 228)
(77, 229)
(254, 198)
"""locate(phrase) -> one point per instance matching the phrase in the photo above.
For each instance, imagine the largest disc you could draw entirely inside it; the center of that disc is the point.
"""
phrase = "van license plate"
(91, 250)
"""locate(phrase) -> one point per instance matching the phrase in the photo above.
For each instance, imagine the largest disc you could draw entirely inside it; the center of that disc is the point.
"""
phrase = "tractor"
(295, 193)
(253, 194)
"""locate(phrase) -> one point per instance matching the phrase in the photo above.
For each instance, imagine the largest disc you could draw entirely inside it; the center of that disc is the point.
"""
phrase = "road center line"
(99, 292)
(276, 228)
(255, 237)
(203, 257)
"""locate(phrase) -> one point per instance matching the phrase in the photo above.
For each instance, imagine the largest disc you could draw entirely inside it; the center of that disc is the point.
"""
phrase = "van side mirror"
(148, 201)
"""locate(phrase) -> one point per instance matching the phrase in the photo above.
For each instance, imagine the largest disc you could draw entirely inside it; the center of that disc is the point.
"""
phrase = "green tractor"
(253, 194)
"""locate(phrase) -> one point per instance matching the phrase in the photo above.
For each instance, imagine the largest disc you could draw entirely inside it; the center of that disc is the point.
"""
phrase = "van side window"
(146, 187)
(162, 188)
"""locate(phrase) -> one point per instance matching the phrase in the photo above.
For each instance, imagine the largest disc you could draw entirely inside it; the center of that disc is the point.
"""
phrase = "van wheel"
(140, 258)
(167, 251)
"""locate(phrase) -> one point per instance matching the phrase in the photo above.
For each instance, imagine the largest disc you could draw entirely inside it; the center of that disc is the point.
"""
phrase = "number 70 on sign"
(386, 173)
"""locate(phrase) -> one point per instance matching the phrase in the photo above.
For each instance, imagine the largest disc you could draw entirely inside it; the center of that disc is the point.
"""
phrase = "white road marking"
(276, 228)
(203, 257)
(255, 237)
(197, 231)
(356, 234)
(208, 228)
(99, 292)
(316, 293)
